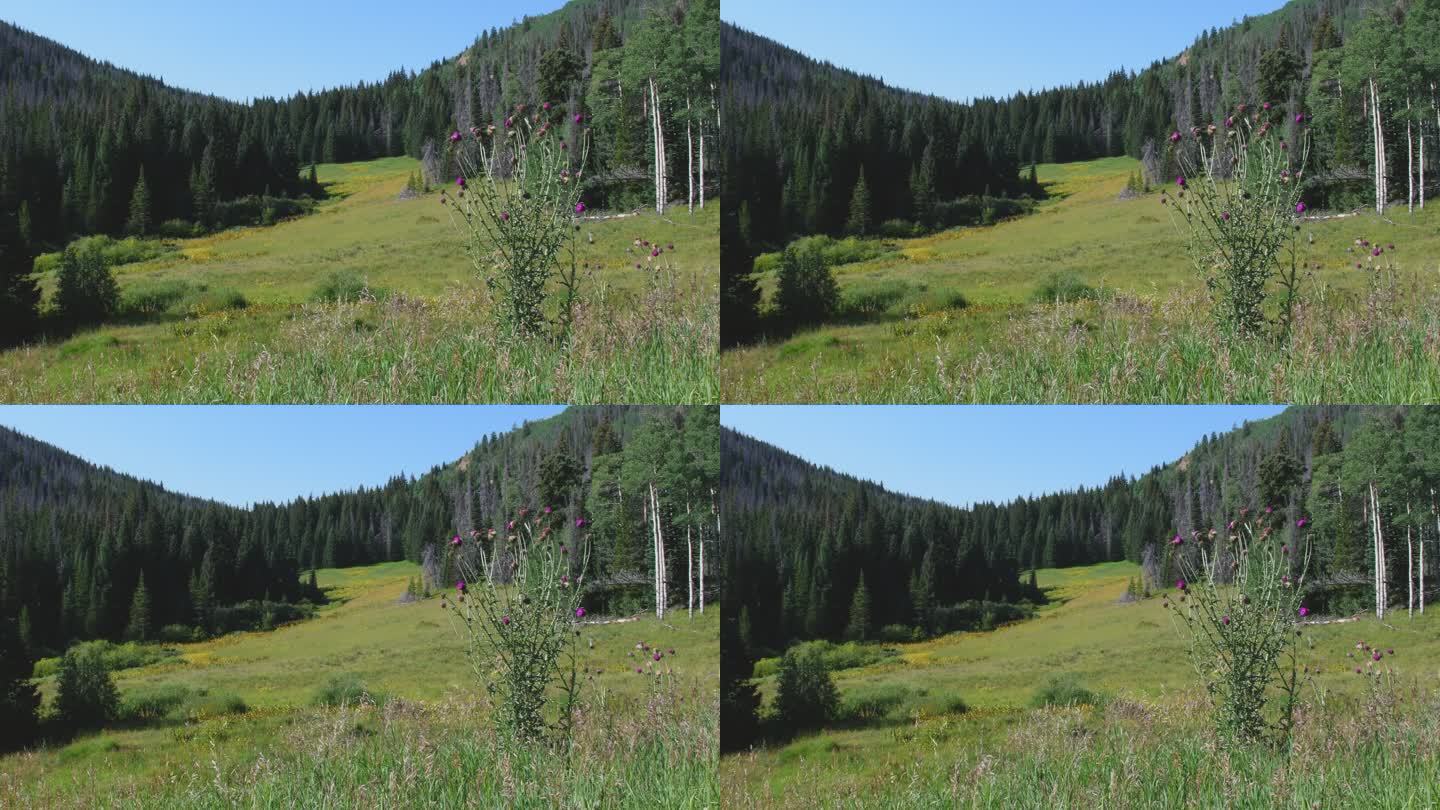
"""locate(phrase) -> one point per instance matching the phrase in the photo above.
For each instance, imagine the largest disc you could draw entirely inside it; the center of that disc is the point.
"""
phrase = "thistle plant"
(1239, 198)
(1238, 605)
(516, 200)
(516, 606)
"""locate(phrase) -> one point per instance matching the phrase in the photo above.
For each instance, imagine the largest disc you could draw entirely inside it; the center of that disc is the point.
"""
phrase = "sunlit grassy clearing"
(1129, 652)
(1151, 341)
(650, 336)
(408, 652)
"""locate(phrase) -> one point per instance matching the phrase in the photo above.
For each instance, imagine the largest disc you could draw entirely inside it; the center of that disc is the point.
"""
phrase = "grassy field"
(643, 335)
(1148, 745)
(1146, 337)
(639, 742)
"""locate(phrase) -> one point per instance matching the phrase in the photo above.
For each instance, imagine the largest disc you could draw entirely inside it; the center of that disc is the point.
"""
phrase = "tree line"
(89, 553)
(90, 148)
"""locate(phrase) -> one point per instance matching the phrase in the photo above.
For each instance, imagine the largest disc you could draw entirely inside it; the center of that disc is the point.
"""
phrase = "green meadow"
(1092, 299)
(412, 731)
(372, 299)
(1142, 738)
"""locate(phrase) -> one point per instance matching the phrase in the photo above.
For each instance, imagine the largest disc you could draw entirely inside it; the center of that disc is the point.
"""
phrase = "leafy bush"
(1065, 690)
(253, 210)
(85, 292)
(345, 285)
(1063, 286)
(977, 615)
(177, 634)
(110, 251)
(253, 615)
(835, 657)
(113, 656)
(899, 633)
(346, 689)
(176, 703)
(806, 697)
(872, 703)
(807, 290)
(179, 298)
(86, 696)
(850, 250)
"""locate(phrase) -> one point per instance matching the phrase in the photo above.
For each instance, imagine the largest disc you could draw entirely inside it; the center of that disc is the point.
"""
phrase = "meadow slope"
(420, 332)
(1361, 336)
(640, 740)
(1148, 745)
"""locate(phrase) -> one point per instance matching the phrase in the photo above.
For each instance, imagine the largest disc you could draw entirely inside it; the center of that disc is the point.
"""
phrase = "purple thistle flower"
(1229, 123)
(455, 541)
(505, 620)
(509, 123)
(504, 216)
(1180, 584)
(1376, 252)
(460, 586)
(1301, 523)
(1225, 620)
(510, 527)
(1266, 106)
(1180, 181)
(1232, 526)
(1225, 216)
(657, 655)
(1178, 541)
(1284, 549)
(1304, 611)
(1299, 118)
(579, 207)
(579, 612)
(545, 106)
(460, 181)
(1300, 207)
(579, 118)
(547, 510)
(1377, 656)
(1174, 137)
(579, 522)
(455, 137)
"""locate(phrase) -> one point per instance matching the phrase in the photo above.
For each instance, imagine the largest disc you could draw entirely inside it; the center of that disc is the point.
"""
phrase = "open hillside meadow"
(372, 299)
(1092, 298)
(1093, 703)
(372, 703)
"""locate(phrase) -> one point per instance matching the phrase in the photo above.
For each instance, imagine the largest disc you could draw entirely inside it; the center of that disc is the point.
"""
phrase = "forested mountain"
(799, 537)
(77, 541)
(77, 137)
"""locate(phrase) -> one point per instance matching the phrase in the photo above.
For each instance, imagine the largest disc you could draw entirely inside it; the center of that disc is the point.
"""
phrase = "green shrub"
(177, 634)
(806, 697)
(113, 656)
(176, 703)
(835, 657)
(85, 291)
(346, 689)
(86, 696)
(872, 704)
(179, 298)
(899, 633)
(1065, 690)
(807, 290)
(1063, 286)
(344, 285)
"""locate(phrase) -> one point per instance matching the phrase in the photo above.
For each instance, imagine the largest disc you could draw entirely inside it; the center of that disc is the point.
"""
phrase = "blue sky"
(968, 454)
(267, 47)
(253, 453)
(961, 49)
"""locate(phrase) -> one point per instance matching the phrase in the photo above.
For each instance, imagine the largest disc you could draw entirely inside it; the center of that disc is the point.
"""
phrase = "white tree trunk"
(1379, 160)
(659, 149)
(1409, 160)
(702, 167)
(1378, 542)
(689, 568)
(689, 161)
(1409, 566)
(662, 585)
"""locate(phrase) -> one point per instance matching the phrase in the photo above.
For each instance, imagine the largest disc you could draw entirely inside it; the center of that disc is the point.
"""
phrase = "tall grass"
(1129, 754)
(657, 754)
(1381, 346)
(658, 347)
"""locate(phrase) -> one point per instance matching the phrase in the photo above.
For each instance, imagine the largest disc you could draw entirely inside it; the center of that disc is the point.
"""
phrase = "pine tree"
(19, 700)
(139, 627)
(139, 222)
(859, 221)
(859, 628)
